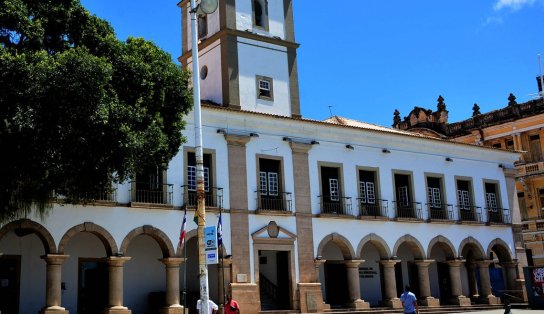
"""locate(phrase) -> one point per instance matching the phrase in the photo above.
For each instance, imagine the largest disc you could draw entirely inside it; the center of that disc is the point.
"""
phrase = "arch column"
(172, 265)
(472, 283)
(455, 278)
(425, 297)
(53, 284)
(115, 299)
(511, 273)
(389, 280)
(354, 288)
(486, 295)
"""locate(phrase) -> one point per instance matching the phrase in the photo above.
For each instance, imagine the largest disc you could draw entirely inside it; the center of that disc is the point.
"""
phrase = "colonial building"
(316, 214)
(514, 127)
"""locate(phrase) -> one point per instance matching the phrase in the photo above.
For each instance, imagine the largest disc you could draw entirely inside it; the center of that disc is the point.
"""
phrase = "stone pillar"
(53, 284)
(172, 265)
(354, 290)
(455, 278)
(511, 275)
(425, 297)
(243, 291)
(486, 295)
(116, 285)
(472, 283)
(390, 299)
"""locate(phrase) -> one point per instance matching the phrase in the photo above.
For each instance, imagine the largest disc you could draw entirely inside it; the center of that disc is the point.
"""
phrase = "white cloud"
(492, 20)
(512, 4)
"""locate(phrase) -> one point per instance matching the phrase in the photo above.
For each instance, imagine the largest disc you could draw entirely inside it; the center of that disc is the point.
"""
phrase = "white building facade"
(316, 214)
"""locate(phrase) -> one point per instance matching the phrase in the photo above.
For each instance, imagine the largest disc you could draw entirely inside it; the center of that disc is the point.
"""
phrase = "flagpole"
(184, 279)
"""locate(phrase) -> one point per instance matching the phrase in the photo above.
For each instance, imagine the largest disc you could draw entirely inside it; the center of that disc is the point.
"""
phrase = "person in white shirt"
(212, 307)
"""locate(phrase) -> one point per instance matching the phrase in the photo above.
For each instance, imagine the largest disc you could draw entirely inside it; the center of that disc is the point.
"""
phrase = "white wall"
(244, 18)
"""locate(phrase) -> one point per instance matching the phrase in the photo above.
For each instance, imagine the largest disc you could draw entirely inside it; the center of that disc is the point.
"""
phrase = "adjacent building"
(316, 214)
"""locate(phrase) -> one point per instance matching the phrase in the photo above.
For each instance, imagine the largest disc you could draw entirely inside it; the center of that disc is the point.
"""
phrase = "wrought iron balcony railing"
(411, 210)
(213, 197)
(281, 202)
(470, 213)
(440, 211)
(336, 205)
(498, 215)
(378, 209)
(163, 195)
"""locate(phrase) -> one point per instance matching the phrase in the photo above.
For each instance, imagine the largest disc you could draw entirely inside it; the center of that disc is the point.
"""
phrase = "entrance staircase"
(422, 310)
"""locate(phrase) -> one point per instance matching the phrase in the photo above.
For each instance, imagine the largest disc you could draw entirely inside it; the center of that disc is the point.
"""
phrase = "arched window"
(260, 14)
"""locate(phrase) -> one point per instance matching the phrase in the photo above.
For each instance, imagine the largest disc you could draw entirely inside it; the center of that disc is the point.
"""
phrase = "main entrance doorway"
(93, 286)
(274, 283)
(10, 269)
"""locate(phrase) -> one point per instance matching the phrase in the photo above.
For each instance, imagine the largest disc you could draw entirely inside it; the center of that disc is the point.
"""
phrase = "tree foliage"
(78, 107)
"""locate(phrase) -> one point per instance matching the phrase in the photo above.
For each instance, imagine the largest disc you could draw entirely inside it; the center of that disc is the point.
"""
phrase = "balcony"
(529, 169)
(439, 212)
(162, 195)
(410, 210)
(470, 214)
(213, 197)
(376, 210)
(341, 206)
(498, 216)
(274, 203)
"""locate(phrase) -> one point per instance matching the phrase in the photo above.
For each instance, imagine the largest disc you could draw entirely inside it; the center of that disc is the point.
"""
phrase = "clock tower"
(247, 55)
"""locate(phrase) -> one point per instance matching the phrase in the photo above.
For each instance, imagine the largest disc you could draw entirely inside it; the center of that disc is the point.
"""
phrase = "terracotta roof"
(369, 126)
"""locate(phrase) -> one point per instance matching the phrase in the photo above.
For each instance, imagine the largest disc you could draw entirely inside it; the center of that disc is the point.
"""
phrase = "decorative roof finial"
(476, 110)
(512, 100)
(441, 104)
(396, 118)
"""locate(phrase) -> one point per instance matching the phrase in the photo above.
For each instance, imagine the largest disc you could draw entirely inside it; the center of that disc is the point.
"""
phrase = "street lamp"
(205, 7)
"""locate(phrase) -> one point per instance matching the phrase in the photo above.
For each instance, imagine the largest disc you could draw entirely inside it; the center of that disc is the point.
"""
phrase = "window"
(271, 196)
(191, 172)
(535, 148)
(265, 88)
(434, 195)
(202, 26)
(403, 191)
(463, 194)
(149, 186)
(510, 144)
(269, 183)
(491, 200)
(260, 14)
(367, 191)
(331, 190)
(496, 145)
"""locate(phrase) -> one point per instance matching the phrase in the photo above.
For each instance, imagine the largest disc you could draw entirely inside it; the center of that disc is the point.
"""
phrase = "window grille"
(367, 192)
(433, 195)
(491, 201)
(333, 189)
(463, 199)
(403, 196)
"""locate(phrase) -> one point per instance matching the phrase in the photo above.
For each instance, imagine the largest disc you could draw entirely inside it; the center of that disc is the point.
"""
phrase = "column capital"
(483, 263)
(237, 140)
(389, 262)
(455, 262)
(353, 263)
(509, 264)
(227, 262)
(118, 261)
(172, 261)
(54, 259)
(424, 263)
(301, 148)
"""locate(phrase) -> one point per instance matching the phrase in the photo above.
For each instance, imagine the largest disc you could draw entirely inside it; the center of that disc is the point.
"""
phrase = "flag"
(182, 232)
(220, 229)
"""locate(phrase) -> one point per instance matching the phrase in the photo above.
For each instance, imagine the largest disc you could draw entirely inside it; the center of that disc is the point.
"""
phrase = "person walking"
(231, 307)
(409, 301)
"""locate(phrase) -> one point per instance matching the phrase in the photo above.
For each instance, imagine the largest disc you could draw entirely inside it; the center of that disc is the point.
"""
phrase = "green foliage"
(78, 107)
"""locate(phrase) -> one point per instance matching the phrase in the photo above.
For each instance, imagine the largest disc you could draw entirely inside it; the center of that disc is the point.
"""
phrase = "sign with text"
(210, 244)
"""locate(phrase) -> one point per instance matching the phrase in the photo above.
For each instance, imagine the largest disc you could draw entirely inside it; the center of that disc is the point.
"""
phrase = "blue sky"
(368, 58)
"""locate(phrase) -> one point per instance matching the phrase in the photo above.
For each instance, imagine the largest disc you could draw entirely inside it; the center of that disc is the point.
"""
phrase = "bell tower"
(247, 55)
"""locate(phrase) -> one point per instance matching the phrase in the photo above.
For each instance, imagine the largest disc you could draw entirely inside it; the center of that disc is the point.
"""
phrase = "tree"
(78, 107)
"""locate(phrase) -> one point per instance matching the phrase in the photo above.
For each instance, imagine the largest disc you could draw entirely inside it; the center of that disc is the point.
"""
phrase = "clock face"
(208, 6)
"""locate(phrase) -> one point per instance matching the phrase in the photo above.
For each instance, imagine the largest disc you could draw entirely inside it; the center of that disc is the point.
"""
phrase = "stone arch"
(444, 244)
(342, 243)
(501, 248)
(414, 245)
(23, 227)
(472, 243)
(194, 234)
(378, 242)
(158, 235)
(102, 234)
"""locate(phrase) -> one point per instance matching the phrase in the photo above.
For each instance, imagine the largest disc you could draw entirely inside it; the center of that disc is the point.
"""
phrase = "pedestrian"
(231, 307)
(409, 301)
(212, 307)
